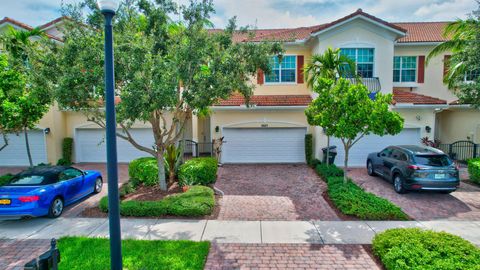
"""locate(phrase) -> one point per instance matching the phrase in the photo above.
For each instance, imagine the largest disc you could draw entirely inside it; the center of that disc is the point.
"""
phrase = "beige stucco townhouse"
(390, 57)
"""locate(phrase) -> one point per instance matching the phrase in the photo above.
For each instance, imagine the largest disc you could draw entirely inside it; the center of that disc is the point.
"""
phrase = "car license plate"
(439, 175)
(5, 201)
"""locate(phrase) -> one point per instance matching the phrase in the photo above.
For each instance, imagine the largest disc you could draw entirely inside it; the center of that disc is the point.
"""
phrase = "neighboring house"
(390, 57)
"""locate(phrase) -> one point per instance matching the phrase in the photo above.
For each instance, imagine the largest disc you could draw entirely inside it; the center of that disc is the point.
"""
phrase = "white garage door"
(373, 143)
(90, 145)
(15, 154)
(264, 145)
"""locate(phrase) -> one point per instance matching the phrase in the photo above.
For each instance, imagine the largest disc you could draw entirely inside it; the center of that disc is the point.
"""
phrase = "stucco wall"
(433, 84)
(459, 124)
(361, 34)
(286, 88)
(255, 118)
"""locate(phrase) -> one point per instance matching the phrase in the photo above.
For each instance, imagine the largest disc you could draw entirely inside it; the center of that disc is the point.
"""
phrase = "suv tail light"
(415, 167)
(27, 199)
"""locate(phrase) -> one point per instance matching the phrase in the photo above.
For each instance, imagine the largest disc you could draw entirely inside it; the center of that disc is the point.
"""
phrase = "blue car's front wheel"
(98, 185)
(56, 208)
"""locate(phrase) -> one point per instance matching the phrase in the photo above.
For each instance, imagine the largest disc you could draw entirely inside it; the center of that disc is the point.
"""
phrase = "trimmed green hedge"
(4, 179)
(309, 148)
(326, 171)
(144, 170)
(198, 171)
(67, 150)
(197, 201)
(414, 248)
(474, 169)
(350, 199)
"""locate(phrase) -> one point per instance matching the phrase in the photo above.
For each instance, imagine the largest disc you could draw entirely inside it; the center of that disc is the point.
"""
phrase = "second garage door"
(264, 145)
(373, 143)
(15, 154)
(90, 145)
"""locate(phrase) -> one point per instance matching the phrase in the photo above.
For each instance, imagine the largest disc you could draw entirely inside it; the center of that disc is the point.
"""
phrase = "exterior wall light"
(428, 129)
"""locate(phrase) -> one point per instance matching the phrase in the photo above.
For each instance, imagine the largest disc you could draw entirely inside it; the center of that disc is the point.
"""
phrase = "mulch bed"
(470, 182)
(144, 193)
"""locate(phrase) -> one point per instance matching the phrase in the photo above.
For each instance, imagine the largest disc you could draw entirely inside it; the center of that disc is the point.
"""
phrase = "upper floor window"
(404, 68)
(363, 58)
(282, 72)
(471, 76)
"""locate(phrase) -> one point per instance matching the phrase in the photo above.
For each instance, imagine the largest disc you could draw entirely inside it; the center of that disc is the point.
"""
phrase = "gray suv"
(411, 167)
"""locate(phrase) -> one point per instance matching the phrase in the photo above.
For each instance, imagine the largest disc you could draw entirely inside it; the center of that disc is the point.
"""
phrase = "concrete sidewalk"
(221, 231)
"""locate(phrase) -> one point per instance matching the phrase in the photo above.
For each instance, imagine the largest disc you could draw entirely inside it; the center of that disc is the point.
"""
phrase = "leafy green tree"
(25, 101)
(463, 44)
(330, 65)
(347, 112)
(165, 69)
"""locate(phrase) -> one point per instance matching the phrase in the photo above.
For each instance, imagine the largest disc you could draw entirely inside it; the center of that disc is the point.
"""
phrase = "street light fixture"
(108, 9)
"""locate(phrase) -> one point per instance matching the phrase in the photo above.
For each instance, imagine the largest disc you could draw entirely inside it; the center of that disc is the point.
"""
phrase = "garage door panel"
(15, 154)
(374, 143)
(91, 145)
(261, 145)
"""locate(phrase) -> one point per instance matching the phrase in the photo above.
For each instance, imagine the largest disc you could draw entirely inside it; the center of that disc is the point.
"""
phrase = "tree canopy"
(347, 112)
(166, 69)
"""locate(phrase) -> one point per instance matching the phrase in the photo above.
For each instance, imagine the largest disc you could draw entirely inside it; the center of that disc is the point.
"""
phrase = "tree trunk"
(171, 174)
(345, 165)
(25, 131)
(161, 171)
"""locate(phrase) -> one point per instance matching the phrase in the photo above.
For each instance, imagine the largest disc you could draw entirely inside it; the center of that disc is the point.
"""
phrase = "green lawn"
(94, 253)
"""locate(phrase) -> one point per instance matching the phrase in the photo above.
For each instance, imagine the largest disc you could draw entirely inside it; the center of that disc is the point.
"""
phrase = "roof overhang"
(363, 17)
(418, 43)
(255, 108)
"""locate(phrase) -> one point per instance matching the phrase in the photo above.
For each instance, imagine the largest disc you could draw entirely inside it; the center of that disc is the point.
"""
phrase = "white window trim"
(280, 74)
(410, 84)
(357, 46)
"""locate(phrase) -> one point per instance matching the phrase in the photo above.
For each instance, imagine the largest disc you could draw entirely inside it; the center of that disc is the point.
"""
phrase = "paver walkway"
(272, 192)
(288, 256)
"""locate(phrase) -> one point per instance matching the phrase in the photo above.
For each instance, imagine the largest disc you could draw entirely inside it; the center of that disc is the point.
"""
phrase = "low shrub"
(350, 199)
(315, 162)
(144, 170)
(326, 171)
(309, 148)
(474, 169)
(198, 171)
(414, 248)
(4, 179)
(197, 201)
(127, 188)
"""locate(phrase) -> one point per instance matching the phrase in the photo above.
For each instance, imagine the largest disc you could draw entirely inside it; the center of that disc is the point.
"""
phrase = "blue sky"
(277, 13)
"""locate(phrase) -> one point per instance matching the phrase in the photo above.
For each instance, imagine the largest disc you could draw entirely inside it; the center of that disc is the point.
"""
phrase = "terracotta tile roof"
(415, 31)
(50, 23)
(423, 32)
(267, 100)
(25, 26)
(400, 96)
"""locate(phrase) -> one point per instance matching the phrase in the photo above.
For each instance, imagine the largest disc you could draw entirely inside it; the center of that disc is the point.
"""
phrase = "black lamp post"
(108, 9)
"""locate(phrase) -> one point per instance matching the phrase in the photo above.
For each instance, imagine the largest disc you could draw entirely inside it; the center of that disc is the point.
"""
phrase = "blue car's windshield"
(30, 180)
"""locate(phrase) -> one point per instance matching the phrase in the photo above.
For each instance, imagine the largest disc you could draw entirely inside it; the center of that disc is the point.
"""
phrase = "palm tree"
(17, 43)
(331, 65)
(461, 34)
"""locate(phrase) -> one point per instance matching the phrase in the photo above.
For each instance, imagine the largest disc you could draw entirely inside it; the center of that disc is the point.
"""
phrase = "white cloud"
(277, 13)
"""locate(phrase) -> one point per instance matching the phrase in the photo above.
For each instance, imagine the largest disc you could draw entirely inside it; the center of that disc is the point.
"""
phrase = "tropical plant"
(461, 35)
(347, 112)
(166, 69)
(173, 160)
(24, 102)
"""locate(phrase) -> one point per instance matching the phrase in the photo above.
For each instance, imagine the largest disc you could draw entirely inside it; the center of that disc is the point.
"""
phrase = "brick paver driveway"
(272, 192)
(14, 254)
(463, 204)
(78, 207)
(288, 256)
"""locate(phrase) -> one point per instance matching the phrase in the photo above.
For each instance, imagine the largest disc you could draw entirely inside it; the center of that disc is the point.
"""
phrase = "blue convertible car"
(45, 191)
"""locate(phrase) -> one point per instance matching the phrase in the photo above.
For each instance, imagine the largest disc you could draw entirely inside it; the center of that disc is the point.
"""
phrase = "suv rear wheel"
(398, 184)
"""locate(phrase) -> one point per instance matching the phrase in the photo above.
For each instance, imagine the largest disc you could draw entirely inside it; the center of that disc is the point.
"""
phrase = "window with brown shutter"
(260, 77)
(300, 62)
(421, 69)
